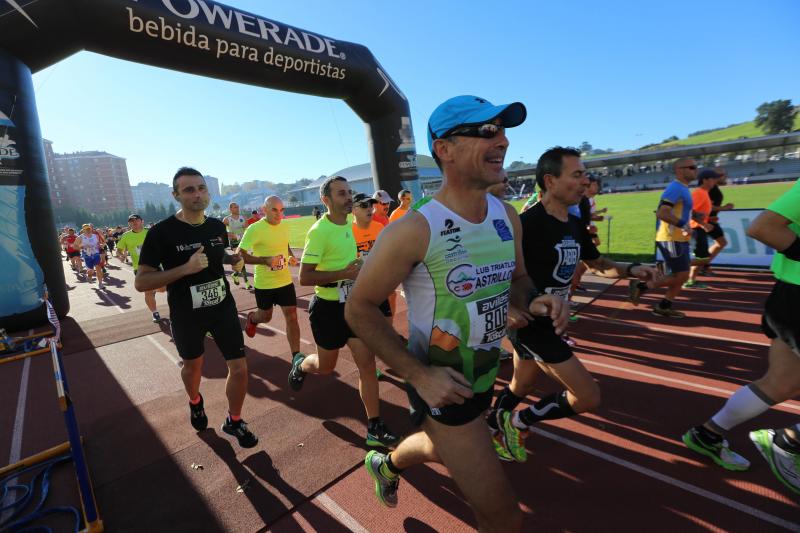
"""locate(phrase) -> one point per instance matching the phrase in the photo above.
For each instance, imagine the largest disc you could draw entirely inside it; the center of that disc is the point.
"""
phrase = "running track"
(621, 468)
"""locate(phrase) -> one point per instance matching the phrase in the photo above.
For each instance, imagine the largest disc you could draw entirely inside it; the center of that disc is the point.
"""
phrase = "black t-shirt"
(585, 207)
(716, 199)
(552, 249)
(170, 244)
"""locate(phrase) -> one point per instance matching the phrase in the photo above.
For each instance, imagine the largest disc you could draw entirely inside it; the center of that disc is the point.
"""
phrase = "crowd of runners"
(472, 271)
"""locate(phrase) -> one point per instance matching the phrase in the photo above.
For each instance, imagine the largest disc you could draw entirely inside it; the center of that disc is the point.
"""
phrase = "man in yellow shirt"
(404, 197)
(266, 245)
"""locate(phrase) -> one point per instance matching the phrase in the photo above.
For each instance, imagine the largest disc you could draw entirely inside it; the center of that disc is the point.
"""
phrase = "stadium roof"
(695, 150)
(425, 166)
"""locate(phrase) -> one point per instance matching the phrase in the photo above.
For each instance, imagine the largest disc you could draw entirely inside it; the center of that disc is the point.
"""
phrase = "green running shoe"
(385, 483)
(500, 448)
(719, 453)
(513, 437)
(785, 465)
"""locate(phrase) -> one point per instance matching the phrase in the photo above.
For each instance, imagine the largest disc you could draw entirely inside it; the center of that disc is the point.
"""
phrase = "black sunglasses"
(364, 205)
(484, 131)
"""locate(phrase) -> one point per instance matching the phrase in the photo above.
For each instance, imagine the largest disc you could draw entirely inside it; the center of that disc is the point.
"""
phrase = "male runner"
(382, 208)
(236, 225)
(716, 232)
(266, 245)
(458, 254)
(779, 227)
(254, 217)
(404, 197)
(672, 239)
(330, 263)
(131, 242)
(701, 210)
(554, 242)
(73, 252)
(89, 244)
(191, 248)
(365, 232)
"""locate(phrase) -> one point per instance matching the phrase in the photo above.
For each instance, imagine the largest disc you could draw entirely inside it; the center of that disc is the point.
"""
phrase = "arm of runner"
(400, 247)
(150, 278)
(608, 268)
(249, 259)
(665, 213)
(521, 284)
(309, 275)
(292, 258)
(772, 229)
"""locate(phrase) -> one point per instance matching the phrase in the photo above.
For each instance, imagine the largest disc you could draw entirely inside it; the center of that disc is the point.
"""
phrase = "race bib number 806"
(488, 319)
(208, 294)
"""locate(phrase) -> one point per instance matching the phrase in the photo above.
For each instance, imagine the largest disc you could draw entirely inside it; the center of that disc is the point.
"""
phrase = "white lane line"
(685, 383)
(172, 358)
(673, 331)
(340, 514)
(733, 504)
(19, 423)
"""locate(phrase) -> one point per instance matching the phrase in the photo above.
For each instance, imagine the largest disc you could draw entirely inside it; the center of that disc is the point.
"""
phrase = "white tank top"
(90, 244)
(236, 225)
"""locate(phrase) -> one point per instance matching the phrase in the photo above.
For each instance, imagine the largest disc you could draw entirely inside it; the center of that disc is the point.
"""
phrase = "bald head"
(685, 170)
(273, 209)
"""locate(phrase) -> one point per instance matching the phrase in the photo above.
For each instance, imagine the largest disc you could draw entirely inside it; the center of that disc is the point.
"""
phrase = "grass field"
(633, 223)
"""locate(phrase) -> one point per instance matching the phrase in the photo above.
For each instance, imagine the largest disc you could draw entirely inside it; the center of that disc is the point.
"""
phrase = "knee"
(264, 315)
(290, 313)
(237, 369)
(589, 399)
(681, 278)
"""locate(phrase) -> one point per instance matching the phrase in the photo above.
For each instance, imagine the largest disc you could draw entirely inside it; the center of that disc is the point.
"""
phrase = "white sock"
(742, 406)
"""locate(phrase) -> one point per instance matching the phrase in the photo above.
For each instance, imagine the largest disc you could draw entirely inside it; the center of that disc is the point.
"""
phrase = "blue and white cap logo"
(5, 121)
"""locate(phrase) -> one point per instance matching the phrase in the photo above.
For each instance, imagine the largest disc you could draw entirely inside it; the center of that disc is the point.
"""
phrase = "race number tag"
(487, 318)
(562, 292)
(208, 294)
(281, 264)
(344, 289)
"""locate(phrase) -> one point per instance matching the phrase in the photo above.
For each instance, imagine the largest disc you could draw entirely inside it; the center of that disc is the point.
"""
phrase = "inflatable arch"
(194, 36)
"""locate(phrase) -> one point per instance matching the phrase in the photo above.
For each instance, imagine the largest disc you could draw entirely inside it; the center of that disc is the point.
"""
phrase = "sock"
(549, 408)
(665, 304)
(388, 469)
(708, 436)
(506, 399)
(371, 422)
(746, 403)
(197, 400)
(234, 418)
(642, 287)
(785, 442)
(295, 354)
(516, 422)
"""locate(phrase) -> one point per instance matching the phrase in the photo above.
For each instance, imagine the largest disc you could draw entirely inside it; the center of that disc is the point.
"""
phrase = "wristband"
(532, 295)
(793, 251)
(629, 270)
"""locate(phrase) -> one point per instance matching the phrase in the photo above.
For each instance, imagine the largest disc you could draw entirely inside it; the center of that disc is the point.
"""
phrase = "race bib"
(344, 289)
(487, 318)
(281, 264)
(208, 294)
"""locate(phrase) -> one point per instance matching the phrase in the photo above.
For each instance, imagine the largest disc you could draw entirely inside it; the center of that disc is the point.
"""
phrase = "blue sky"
(616, 74)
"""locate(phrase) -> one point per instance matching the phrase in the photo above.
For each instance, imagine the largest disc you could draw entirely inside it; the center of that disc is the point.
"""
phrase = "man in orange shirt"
(365, 232)
(404, 197)
(381, 213)
(701, 209)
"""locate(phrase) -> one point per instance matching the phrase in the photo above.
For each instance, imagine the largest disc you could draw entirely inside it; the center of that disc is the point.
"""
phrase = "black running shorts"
(781, 318)
(700, 238)
(385, 308)
(449, 415)
(284, 296)
(328, 325)
(73, 254)
(189, 332)
(539, 342)
(716, 231)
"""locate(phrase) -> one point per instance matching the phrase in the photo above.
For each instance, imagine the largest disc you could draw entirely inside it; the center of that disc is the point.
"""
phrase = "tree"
(518, 164)
(776, 116)
(293, 199)
(586, 148)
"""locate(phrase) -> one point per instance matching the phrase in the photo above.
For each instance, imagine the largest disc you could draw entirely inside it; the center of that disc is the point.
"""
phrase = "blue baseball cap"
(469, 110)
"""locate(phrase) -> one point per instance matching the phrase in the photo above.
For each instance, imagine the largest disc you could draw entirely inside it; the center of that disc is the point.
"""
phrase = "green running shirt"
(262, 239)
(132, 241)
(788, 205)
(458, 296)
(331, 247)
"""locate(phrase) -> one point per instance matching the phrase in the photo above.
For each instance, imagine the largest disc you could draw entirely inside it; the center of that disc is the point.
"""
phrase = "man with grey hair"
(266, 244)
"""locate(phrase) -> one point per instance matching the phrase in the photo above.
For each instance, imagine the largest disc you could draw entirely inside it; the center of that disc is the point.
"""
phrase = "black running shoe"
(296, 376)
(156, 316)
(379, 435)
(197, 416)
(239, 430)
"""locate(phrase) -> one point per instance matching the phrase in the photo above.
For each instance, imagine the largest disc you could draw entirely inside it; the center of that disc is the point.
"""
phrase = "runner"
(778, 227)
(531, 201)
(365, 232)
(589, 214)
(554, 242)
(253, 218)
(89, 244)
(701, 201)
(498, 190)
(73, 252)
(716, 232)
(457, 256)
(191, 248)
(131, 242)
(382, 208)
(330, 263)
(236, 225)
(672, 239)
(404, 197)
(266, 245)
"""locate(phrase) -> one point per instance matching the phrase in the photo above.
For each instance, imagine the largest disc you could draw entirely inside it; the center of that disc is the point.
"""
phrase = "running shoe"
(500, 448)
(694, 284)
(574, 305)
(385, 482)
(235, 278)
(574, 318)
(156, 317)
(380, 435)
(247, 285)
(250, 327)
(296, 376)
(513, 437)
(239, 430)
(569, 340)
(668, 312)
(720, 453)
(634, 292)
(197, 415)
(785, 465)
